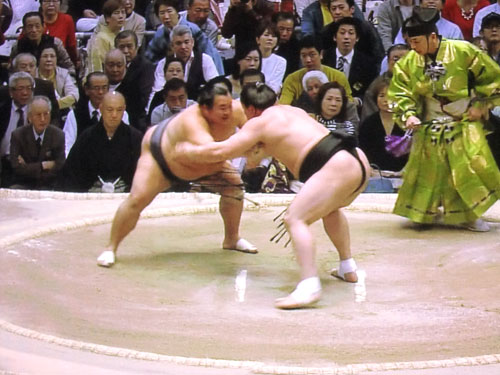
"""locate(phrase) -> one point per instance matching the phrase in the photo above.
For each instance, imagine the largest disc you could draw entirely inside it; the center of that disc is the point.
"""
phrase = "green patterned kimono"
(450, 164)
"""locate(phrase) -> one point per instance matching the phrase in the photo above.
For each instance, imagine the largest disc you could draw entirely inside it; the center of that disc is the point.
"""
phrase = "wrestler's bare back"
(191, 126)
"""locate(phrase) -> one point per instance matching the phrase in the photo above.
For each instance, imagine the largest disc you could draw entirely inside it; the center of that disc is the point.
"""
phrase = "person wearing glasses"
(13, 115)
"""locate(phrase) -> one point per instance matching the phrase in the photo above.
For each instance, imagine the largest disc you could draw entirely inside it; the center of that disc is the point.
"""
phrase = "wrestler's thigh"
(329, 189)
(148, 180)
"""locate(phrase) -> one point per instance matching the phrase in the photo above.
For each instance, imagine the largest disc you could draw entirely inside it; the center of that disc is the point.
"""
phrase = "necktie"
(95, 117)
(20, 120)
(39, 144)
(340, 63)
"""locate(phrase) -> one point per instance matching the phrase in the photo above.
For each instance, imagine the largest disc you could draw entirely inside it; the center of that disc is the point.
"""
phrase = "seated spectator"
(12, 23)
(331, 108)
(37, 149)
(490, 31)
(26, 62)
(34, 40)
(376, 127)
(199, 67)
(462, 13)
(445, 28)
(115, 67)
(60, 25)
(65, 85)
(246, 56)
(197, 13)
(310, 55)
(242, 18)
(13, 114)
(369, 41)
(311, 82)
(273, 66)
(167, 11)
(103, 41)
(359, 68)
(174, 68)
(105, 156)
(176, 100)
(137, 84)
(318, 15)
(133, 21)
(390, 17)
(87, 110)
(288, 44)
(394, 53)
(483, 12)
(251, 77)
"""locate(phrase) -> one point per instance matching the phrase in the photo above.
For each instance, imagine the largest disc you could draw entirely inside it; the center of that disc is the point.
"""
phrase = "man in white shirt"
(199, 68)
(176, 101)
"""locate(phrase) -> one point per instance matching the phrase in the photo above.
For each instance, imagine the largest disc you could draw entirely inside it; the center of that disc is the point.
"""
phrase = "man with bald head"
(105, 156)
(115, 68)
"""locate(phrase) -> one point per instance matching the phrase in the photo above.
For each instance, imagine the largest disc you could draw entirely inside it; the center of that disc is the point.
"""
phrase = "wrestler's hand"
(413, 123)
(255, 155)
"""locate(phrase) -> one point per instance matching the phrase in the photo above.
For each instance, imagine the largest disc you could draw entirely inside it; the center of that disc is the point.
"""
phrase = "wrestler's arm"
(238, 144)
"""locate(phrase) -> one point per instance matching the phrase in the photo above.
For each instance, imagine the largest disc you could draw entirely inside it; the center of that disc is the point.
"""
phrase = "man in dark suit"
(138, 81)
(86, 112)
(37, 150)
(105, 156)
(26, 62)
(369, 40)
(359, 68)
(13, 114)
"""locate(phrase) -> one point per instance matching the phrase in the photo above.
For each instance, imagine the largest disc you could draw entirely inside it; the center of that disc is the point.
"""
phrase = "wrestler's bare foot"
(306, 294)
(290, 302)
(241, 245)
(106, 259)
(346, 271)
(350, 277)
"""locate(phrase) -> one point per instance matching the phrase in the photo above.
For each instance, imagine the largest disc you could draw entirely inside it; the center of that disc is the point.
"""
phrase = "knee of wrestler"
(136, 202)
(290, 219)
(236, 192)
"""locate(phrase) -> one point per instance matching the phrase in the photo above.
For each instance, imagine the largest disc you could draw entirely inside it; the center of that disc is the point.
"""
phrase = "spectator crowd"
(82, 81)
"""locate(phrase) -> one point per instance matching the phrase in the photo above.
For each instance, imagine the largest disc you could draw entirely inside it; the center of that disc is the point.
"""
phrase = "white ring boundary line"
(256, 367)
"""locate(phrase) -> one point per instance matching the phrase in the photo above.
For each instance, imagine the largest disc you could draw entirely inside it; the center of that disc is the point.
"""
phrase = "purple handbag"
(398, 145)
